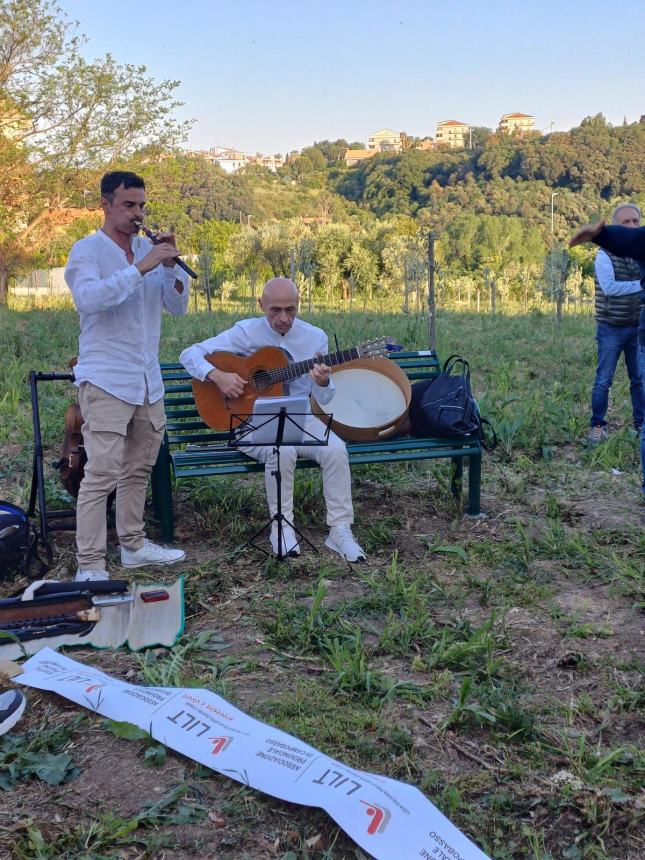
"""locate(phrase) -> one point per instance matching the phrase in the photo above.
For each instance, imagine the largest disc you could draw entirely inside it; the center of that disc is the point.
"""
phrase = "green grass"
(494, 663)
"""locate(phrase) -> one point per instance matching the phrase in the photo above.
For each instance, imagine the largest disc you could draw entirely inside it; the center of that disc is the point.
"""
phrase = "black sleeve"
(623, 241)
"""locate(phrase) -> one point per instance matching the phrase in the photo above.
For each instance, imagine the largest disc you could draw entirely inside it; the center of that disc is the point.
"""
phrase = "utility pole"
(432, 308)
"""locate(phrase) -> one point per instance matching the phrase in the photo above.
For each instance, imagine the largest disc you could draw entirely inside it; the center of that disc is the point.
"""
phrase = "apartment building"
(452, 133)
(516, 123)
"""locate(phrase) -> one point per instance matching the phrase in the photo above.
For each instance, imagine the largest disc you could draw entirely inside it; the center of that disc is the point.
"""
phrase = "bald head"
(279, 302)
(280, 289)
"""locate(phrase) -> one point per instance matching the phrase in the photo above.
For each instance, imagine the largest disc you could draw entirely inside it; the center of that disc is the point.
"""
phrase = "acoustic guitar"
(264, 371)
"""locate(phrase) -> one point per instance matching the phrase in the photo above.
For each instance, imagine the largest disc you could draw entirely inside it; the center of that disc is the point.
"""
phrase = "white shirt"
(607, 278)
(120, 315)
(303, 341)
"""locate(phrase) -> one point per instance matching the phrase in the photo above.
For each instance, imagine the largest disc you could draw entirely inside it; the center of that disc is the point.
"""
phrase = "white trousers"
(334, 462)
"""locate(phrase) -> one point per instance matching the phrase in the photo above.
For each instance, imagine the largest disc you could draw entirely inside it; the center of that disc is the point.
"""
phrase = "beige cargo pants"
(121, 442)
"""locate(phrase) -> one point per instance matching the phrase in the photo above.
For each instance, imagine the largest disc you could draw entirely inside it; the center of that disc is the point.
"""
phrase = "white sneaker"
(12, 707)
(150, 553)
(290, 545)
(342, 541)
(86, 575)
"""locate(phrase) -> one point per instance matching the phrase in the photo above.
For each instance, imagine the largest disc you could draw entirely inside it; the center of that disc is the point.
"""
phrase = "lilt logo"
(220, 744)
(380, 816)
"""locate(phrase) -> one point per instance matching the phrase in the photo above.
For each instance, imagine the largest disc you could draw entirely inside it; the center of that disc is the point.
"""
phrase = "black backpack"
(445, 406)
(18, 541)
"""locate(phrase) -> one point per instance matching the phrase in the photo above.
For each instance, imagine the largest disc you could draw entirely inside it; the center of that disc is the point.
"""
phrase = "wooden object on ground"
(132, 621)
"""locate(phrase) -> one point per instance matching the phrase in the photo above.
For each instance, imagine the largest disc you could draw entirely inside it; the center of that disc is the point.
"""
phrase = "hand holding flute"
(164, 251)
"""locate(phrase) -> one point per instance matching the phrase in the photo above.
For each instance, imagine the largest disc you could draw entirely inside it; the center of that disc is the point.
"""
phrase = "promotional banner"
(388, 819)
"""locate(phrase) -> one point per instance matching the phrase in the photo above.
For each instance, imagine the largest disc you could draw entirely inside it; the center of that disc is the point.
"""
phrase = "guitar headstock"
(378, 346)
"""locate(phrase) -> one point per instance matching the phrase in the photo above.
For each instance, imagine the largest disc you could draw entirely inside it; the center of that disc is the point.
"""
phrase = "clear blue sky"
(275, 75)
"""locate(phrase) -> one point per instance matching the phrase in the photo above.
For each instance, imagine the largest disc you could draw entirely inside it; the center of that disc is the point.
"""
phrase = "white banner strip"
(387, 818)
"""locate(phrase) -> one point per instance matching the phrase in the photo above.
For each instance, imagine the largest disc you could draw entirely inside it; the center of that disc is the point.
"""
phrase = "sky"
(276, 75)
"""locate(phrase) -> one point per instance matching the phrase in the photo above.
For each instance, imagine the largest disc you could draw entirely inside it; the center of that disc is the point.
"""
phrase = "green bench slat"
(248, 465)
(406, 443)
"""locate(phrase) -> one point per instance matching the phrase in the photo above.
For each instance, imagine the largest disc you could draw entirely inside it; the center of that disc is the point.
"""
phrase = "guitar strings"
(271, 377)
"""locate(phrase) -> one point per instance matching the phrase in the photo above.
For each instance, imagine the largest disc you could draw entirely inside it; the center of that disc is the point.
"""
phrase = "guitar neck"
(299, 368)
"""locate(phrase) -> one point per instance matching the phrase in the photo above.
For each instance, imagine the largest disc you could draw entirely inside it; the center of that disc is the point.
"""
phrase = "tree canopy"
(63, 117)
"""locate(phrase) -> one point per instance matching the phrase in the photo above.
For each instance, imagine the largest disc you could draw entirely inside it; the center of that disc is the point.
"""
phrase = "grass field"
(495, 663)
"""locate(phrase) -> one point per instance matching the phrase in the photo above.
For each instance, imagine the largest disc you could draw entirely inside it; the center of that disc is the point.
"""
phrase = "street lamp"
(553, 194)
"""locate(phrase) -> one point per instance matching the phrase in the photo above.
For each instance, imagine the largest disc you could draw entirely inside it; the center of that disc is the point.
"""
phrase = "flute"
(156, 241)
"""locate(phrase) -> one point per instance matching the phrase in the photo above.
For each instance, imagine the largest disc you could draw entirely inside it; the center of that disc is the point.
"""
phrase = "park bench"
(191, 450)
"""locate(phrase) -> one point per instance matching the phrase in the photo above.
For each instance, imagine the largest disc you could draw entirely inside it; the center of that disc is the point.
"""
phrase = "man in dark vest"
(618, 303)
(624, 242)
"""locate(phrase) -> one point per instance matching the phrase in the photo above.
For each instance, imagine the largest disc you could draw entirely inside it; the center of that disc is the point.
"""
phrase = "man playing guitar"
(281, 327)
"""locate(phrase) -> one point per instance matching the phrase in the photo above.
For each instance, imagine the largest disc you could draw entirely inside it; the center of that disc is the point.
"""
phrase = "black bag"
(445, 406)
(18, 541)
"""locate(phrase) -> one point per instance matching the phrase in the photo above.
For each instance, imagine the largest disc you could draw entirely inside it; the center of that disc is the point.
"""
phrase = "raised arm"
(621, 241)
(587, 233)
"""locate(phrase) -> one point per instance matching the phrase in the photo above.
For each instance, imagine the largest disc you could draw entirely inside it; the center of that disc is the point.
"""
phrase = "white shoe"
(87, 575)
(342, 541)
(150, 553)
(12, 707)
(290, 545)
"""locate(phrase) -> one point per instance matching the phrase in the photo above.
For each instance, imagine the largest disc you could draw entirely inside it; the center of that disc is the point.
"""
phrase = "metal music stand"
(241, 436)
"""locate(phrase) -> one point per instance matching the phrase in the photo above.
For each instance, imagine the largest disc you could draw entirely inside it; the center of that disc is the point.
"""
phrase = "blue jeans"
(641, 364)
(612, 340)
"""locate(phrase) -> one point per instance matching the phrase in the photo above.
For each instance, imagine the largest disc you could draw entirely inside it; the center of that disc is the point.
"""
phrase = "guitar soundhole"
(261, 380)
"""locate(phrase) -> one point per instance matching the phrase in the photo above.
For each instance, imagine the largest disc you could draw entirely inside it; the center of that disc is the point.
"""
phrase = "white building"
(385, 140)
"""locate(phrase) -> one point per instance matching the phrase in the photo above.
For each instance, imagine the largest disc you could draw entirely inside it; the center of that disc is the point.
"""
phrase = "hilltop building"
(452, 133)
(355, 156)
(231, 160)
(516, 123)
(385, 140)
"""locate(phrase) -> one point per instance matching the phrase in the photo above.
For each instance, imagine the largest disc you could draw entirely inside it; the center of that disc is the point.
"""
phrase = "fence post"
(406, 297)
(253, 278)
(432, 306)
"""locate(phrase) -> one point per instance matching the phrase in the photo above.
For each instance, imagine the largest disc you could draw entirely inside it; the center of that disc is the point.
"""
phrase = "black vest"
(619, 310)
